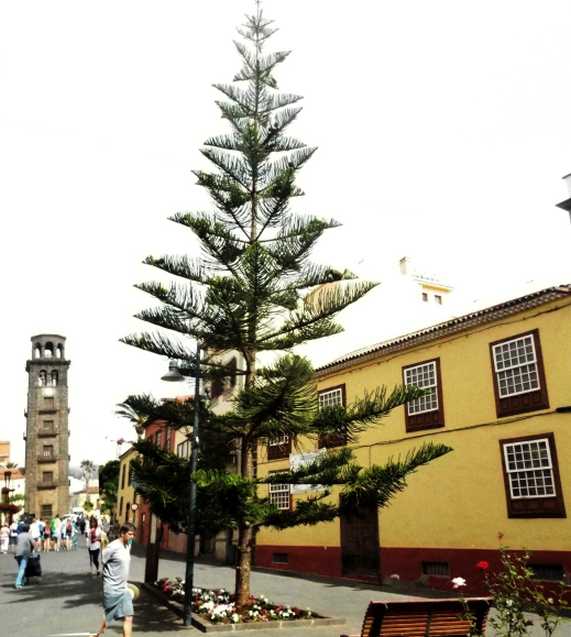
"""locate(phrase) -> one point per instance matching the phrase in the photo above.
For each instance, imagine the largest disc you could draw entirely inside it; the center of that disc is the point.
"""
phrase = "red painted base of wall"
(309, 560)
(406, 562)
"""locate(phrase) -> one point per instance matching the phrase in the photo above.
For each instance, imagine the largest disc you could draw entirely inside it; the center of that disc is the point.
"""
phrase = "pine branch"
(308, 512)
(363, 412)
(379, 484)
(317, 313)
(180, 266)
(156, 343)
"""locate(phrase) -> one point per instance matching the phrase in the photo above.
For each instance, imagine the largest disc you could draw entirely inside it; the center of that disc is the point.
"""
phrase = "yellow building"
(500, 396)
(126, 496)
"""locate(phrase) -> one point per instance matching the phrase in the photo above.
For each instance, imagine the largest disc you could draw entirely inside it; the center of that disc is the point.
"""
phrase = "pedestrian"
(47, 536)
(82, 524)
(24, 549)
(68, 533)
(4, 538)
(94, 545)
(117, 600)
(56, 530)
(35, 532)
(13, 535)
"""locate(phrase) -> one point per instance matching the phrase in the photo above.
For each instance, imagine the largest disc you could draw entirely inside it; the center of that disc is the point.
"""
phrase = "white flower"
(235, 618)
(458, 582)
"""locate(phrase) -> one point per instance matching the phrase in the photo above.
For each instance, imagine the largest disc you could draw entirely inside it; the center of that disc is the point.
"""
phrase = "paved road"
(67, 599)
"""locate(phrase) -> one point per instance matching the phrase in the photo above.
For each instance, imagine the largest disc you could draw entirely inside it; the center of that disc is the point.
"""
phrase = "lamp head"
(173, 375)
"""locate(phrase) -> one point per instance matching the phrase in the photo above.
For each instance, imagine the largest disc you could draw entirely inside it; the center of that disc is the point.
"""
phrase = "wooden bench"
(416, 617)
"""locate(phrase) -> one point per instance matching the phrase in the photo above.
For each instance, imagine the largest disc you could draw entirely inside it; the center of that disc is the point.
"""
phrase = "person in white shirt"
(35, 533)
(117, 600)
(56, 532)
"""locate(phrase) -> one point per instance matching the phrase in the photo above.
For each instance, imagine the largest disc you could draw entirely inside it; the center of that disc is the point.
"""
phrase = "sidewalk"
(67, 600)
(332, 599)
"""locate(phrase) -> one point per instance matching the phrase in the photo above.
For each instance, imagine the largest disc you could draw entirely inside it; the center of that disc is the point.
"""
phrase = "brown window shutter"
(430, 419)
(540, 507)
(521, 403)
(328, 441)
(278, 452)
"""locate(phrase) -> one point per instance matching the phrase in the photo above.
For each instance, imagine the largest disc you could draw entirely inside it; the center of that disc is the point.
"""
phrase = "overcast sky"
(443, 130)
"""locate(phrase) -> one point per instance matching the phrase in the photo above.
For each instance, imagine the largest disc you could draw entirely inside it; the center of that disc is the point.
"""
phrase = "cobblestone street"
(66, 600)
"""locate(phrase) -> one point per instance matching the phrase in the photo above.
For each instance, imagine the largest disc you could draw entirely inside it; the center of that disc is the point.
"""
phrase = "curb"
(207, 627)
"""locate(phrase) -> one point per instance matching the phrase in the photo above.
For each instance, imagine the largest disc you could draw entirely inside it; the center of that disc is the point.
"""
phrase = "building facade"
(126, 496)
(499, 394)
(47, 431)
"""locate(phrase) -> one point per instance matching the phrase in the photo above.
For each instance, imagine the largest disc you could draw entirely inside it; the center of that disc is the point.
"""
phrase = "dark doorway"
(360, 541)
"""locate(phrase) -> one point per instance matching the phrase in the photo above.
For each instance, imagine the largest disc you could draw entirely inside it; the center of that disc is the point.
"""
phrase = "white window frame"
(330, 398)
(538, 469)
(277, 495)
(499, 371)
(183, 449)
(278, 441)
(413, 407)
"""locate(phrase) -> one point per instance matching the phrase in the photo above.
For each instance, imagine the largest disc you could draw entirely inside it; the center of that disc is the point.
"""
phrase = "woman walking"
(47, 537)
(94, 545)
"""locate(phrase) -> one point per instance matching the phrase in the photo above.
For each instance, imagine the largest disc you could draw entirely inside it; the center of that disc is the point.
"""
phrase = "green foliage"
(109, 484)
(254, 288)
(515, 593)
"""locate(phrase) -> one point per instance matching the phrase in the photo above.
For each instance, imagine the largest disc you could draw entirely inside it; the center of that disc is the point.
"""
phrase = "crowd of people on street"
(28, 537)
(55, 534)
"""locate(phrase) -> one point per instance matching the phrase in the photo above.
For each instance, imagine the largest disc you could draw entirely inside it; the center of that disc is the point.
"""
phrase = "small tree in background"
(109, 484)
(88, 470)
(254, 290)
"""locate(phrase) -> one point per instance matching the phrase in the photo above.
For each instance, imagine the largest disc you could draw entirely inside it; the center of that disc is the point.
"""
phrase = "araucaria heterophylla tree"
(253, 289)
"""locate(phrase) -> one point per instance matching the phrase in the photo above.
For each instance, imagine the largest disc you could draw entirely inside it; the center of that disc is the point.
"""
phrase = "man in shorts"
(117, 600)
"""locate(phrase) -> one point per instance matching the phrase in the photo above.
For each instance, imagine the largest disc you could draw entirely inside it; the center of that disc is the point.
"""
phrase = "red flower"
(483, 565)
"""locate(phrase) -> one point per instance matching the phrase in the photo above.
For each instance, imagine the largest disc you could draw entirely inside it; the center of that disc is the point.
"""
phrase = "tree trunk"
(244, 566)
(245, 533)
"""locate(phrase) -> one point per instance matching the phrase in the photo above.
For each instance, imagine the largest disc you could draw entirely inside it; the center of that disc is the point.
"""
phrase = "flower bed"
(218, 605)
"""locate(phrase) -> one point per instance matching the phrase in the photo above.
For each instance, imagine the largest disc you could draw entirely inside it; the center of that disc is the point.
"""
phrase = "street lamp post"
(174, 375)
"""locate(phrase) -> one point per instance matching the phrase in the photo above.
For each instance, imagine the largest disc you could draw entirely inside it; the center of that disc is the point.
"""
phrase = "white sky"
(443, 132)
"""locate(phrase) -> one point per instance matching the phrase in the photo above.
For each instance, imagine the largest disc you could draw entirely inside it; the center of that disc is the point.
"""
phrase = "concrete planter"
(200, 622)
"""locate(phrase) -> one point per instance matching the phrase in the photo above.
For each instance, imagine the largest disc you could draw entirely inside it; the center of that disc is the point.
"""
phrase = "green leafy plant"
(516, 593)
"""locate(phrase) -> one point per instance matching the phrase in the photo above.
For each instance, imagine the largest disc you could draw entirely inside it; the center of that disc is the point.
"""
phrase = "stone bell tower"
(47, 459)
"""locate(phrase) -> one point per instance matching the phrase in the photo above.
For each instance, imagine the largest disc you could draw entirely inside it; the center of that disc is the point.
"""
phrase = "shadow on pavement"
(86, 590)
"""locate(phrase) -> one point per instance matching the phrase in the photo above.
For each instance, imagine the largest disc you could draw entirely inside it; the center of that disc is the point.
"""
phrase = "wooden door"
(360, 542)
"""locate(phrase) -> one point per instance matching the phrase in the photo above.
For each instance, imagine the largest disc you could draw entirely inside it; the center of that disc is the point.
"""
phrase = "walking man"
(24, 548)
(117, 600)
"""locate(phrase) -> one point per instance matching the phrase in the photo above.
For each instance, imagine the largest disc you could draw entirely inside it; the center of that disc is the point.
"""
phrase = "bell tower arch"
(47, 432)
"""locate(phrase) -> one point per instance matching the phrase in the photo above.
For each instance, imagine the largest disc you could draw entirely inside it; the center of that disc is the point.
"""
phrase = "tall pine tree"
(254, 289)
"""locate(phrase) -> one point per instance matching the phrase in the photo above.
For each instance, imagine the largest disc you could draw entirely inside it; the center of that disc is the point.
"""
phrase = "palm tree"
(88, 470)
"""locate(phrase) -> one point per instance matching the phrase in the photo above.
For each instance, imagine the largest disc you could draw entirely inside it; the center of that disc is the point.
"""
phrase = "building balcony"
(47, 433)
(47, 485)
(51, 458)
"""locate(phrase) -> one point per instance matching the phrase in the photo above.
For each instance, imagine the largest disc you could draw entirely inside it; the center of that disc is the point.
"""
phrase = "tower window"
(53, 378)
(47, 477)
(438, 299)
(42, 378)
(46, 511)
(47, 426)
(37, 352)
(425, 297)
(59, 351)
(49, 350)
(48, 451)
